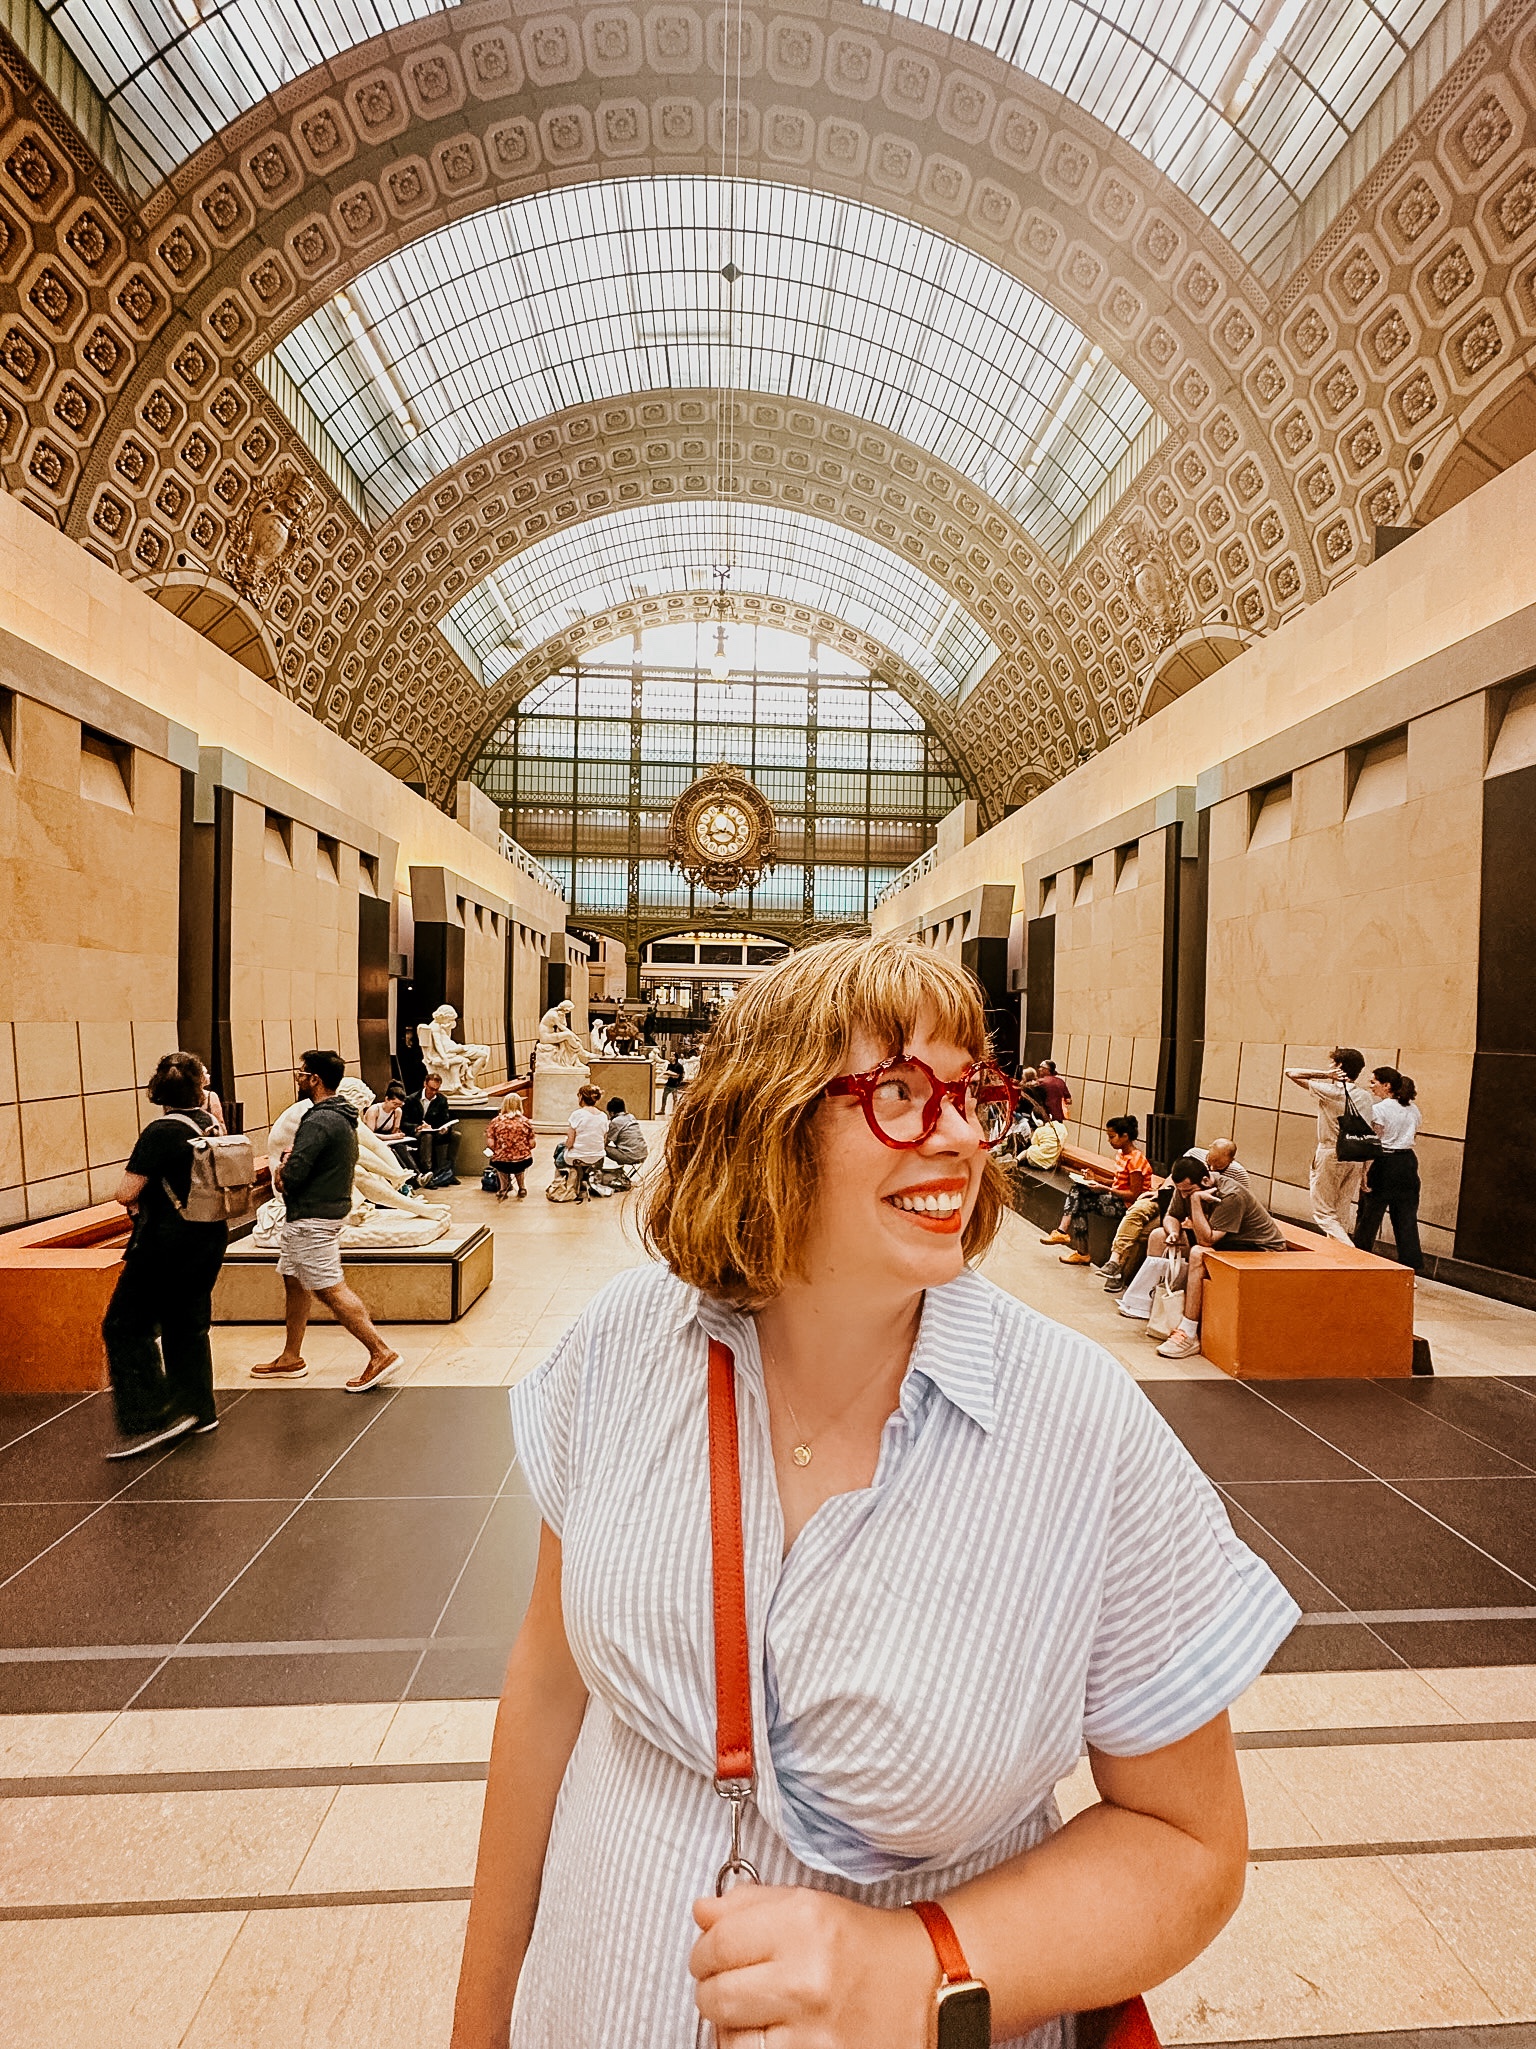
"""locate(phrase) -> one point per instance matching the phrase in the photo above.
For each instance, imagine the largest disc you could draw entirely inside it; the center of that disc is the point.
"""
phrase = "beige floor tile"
(1276, 1820)
(133, 1982)
(336, 1978)
(45, 1746)
(1411, 1792)
(1331, 1947)
(462, 1366)
(1489, 1693)
(439, 1732)
(1483, 1903)
(395, 1836)
(1472, 1333)
(146, 1846)
(1344, 1700)
(239, 1739)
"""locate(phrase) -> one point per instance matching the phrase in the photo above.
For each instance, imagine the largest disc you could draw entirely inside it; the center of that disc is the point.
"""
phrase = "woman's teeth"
(943, 1205)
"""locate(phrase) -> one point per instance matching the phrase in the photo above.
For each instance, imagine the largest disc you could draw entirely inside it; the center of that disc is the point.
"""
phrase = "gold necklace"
(801, 1450)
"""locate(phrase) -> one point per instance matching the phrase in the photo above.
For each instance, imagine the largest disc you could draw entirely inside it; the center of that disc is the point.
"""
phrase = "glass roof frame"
(1243, 103)
(601, 290)
(657, 549)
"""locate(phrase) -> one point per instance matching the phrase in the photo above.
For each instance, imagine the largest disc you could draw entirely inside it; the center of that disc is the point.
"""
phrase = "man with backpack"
(314, 1179)
(182, 1183)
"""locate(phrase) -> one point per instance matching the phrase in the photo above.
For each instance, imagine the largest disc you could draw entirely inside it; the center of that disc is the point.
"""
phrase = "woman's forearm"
(1116, 1901)
(537, 1725)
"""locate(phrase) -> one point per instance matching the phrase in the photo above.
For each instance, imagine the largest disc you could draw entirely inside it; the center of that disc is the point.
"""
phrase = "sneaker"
(151, 1440)
(1115, 1283)
(1182, 1345)
(1057, 1238)
(1075, 1259)
(278, 1369)
(1108, 1267)
(374, 1376)
(203, 1428)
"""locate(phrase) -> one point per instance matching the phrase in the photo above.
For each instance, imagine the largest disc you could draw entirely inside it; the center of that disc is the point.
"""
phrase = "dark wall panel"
(1039, 990)
(373, 992)
(1496, 1217)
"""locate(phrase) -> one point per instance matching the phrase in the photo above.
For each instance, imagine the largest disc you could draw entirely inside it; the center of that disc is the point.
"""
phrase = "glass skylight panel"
(652, 550)
(596, 291)
(1243, 103)
(172, 73)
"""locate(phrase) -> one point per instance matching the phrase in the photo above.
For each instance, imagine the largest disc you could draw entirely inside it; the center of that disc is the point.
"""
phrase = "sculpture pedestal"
(554, 1096)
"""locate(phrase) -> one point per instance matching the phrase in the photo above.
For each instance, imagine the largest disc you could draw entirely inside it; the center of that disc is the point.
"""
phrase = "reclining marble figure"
(380, 1215)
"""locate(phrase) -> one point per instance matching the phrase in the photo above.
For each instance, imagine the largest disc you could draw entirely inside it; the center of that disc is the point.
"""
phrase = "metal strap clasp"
(736, 1869)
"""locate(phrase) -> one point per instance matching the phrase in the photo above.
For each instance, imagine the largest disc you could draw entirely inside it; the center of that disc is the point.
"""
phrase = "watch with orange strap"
(962, 2005)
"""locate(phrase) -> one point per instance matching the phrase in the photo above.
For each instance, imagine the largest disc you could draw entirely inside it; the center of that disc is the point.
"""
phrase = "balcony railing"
(913, 872)
(521, 858)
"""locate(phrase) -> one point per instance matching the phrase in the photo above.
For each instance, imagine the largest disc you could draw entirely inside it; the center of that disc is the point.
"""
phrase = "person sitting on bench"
(1216, 1210)
(1220, 1156)
(1097, 1193)
(430, 1121)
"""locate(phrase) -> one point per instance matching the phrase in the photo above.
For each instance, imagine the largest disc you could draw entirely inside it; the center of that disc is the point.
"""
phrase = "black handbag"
(1356, 1140)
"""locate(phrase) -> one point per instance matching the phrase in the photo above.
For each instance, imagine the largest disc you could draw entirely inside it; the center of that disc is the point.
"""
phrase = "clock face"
(722, 830)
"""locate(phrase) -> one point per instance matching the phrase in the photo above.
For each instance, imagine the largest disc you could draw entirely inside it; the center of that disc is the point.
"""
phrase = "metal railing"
(913, 872)
(521, 858)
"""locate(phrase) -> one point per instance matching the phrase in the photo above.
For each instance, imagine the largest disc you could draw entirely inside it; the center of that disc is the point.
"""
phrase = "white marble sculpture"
(456, 1066)
(380, 1214)
(558, 1044)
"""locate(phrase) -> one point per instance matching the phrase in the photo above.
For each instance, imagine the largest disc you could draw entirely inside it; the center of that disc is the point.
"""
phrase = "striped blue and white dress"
(1038, 1564)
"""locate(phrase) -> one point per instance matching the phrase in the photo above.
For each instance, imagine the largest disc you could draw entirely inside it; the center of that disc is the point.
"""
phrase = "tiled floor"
(246, 1691)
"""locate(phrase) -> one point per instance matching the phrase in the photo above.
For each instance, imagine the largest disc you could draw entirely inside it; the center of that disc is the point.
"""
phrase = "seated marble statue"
(380, 1214)
(558, 1044)
(456, 1066)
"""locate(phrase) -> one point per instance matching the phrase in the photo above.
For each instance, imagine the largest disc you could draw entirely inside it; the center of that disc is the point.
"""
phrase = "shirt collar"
(955, 1349)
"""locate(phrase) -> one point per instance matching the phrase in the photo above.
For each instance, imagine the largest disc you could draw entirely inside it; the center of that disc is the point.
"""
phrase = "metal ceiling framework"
(128, 412)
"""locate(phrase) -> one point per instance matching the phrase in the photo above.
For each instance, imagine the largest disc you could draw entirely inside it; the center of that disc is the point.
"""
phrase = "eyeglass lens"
(901, 1103)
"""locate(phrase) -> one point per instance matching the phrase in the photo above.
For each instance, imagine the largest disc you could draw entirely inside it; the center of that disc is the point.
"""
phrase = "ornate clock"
(723, 833)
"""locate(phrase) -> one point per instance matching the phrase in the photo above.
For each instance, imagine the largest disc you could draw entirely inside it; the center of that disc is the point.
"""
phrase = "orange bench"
(56, 1278)
(1323, 1311)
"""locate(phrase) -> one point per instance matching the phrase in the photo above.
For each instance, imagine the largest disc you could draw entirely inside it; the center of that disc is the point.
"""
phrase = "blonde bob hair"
(727, 1209)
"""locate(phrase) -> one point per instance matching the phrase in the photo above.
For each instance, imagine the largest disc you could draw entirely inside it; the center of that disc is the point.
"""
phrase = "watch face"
(964, 2015)
(722, 830)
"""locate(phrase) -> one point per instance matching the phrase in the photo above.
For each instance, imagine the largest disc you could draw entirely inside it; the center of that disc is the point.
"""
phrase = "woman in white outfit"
(971, 1548)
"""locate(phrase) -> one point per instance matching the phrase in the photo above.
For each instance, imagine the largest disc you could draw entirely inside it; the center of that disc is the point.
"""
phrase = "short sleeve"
(544, 1417)
(1189, 1616)
(1227, 1215)
(157, 1147)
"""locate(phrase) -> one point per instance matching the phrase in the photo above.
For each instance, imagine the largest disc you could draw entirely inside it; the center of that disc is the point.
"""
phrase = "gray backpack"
(223, 1177)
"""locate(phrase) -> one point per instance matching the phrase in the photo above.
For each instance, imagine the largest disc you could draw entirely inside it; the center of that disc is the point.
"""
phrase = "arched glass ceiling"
(596, 291)
(1244, 103)
(649, 550)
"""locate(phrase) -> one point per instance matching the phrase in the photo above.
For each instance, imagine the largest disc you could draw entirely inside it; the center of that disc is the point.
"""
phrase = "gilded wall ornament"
(723, 833)
(270, 529)
(1152, 581)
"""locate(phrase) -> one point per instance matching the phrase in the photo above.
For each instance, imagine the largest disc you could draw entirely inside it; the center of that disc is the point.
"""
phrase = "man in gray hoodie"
(314, 1179)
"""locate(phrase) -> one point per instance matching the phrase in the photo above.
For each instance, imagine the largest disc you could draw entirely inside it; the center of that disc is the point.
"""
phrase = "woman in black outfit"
(165, 1290)
(1392, 1179)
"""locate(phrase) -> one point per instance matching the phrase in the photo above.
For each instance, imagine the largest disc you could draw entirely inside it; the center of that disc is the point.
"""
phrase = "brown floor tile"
(1308, 1592)
(25, 1531)
(1426, 1645)
(461, 1675)
(1498, 1412)
(273, 1445)
(1389, 1437)
(64, 1461)
(430, 1441)
(297, 1681)
(350, 1569)
(22, 1413)
(135, 1572)
(1345, 1647)
(1499, 1516)
(69, 1686)
(1234, 1434)
(490, 1598)
(1375, 1549)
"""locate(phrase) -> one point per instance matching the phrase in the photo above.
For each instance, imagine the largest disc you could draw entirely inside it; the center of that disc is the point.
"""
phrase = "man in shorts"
(1216, 1210)
(315, 1181)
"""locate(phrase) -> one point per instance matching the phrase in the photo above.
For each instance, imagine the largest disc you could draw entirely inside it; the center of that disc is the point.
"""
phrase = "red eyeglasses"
(904, 1099)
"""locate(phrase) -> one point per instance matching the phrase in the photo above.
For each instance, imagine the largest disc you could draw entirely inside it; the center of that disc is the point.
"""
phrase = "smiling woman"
(968, 1549)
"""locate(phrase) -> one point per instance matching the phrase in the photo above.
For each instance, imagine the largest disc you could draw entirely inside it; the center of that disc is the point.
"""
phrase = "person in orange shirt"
(1096, 1193)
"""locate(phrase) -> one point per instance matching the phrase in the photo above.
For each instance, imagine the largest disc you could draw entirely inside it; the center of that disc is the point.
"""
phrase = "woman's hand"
(810, 1970)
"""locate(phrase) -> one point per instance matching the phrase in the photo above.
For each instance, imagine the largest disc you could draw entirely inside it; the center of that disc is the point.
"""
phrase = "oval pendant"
(801, 1454)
